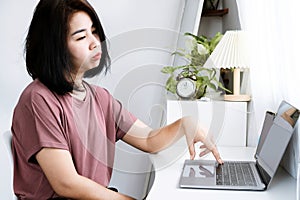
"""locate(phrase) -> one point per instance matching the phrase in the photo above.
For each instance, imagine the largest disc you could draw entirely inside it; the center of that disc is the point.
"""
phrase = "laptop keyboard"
(236, 174)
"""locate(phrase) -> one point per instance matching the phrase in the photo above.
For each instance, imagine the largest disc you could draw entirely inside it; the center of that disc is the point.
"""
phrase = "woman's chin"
(92, 65)
(95, 64)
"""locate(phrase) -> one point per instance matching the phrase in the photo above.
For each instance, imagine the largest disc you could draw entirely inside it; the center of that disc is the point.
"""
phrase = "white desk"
(167, 176)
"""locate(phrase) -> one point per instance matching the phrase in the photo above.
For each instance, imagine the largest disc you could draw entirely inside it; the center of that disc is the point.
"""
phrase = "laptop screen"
(269, 117)
(276, 140)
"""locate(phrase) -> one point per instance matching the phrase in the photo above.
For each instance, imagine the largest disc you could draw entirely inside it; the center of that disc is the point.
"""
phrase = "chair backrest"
(6, 172)
(139, 172)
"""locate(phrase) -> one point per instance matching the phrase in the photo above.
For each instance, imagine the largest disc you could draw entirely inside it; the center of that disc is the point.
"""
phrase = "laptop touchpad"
(199, 172)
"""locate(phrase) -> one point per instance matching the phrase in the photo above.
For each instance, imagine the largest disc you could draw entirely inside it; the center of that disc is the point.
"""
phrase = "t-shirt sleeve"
(123, 119)
(41, 126)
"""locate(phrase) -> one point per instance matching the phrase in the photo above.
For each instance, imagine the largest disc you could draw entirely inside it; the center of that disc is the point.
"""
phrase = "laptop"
(255, 175)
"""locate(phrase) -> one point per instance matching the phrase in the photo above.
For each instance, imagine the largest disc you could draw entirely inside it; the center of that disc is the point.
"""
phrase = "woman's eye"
(95, 32)
(81, 38)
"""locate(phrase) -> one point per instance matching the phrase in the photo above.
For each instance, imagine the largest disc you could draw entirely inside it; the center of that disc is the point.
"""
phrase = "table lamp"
(231, 52)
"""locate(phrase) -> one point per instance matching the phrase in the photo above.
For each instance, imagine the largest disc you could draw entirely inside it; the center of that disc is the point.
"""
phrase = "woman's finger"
(192, 151)
(217, 156)
(214, 151)
(204, 152)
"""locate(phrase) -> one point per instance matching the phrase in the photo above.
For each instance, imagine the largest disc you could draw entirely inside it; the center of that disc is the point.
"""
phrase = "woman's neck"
(79, 90)
(78, 86)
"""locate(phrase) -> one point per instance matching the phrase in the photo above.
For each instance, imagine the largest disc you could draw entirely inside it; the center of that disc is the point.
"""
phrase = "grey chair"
(133, 171)
(6, 172)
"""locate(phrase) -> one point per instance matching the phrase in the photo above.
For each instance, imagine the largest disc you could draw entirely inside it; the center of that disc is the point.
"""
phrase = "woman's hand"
(144, 138)
(194, 133)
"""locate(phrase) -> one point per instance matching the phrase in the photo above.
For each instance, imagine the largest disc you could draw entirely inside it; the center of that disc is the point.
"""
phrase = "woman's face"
(83, 43)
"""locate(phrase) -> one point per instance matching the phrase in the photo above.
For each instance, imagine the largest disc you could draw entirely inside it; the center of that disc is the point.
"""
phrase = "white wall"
(14, 20)
(142, 36)
(121, 19)
(274, 53)
(231, 21)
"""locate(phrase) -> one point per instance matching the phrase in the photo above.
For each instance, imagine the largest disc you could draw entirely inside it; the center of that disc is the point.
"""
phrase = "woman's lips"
(97, 56)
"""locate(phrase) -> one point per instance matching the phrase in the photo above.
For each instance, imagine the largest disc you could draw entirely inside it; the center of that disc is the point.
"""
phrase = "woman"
(64, 129)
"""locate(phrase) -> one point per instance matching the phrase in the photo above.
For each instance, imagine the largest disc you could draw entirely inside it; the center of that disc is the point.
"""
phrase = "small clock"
(186, 85)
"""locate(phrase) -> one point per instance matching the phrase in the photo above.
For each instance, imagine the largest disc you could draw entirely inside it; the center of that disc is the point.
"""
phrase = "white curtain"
(275, 69)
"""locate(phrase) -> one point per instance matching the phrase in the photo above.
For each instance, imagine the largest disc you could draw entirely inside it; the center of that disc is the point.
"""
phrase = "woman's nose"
(94, 43)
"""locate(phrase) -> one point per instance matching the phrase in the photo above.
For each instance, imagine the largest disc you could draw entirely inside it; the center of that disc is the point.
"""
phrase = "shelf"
(211, 13)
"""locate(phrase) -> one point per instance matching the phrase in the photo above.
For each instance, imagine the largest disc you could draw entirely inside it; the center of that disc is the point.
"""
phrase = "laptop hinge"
(265, 177)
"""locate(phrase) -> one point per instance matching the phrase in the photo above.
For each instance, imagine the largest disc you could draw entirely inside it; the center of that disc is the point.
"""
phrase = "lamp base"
(240, 97)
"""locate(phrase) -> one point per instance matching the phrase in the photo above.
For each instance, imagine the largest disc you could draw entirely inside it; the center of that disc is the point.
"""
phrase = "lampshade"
(231, 52)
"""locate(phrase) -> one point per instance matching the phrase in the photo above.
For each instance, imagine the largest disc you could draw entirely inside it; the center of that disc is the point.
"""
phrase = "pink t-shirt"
(88, 129)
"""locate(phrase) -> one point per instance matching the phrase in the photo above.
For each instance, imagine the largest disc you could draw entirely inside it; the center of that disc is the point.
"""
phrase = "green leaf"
(212, 86)
(171, 84)
(206, 77)
(214, 41)
(171, 69)
(220, 85)
(192, 35)
(179, 53)
(168, 70)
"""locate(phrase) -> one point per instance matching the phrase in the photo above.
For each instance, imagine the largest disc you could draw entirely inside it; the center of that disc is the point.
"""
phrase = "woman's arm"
(146, 139)
(59, 169)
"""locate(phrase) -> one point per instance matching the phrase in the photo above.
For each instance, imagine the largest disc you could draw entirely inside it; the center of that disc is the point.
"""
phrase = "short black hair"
(46, 50)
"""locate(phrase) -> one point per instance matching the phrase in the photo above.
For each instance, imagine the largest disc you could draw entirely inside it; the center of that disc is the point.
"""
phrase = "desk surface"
(165, 185)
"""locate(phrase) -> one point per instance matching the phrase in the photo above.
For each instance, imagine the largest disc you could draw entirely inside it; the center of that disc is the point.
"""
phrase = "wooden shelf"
(211, 13)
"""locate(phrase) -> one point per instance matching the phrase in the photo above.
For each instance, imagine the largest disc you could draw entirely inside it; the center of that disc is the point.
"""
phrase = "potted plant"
(198, 50)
